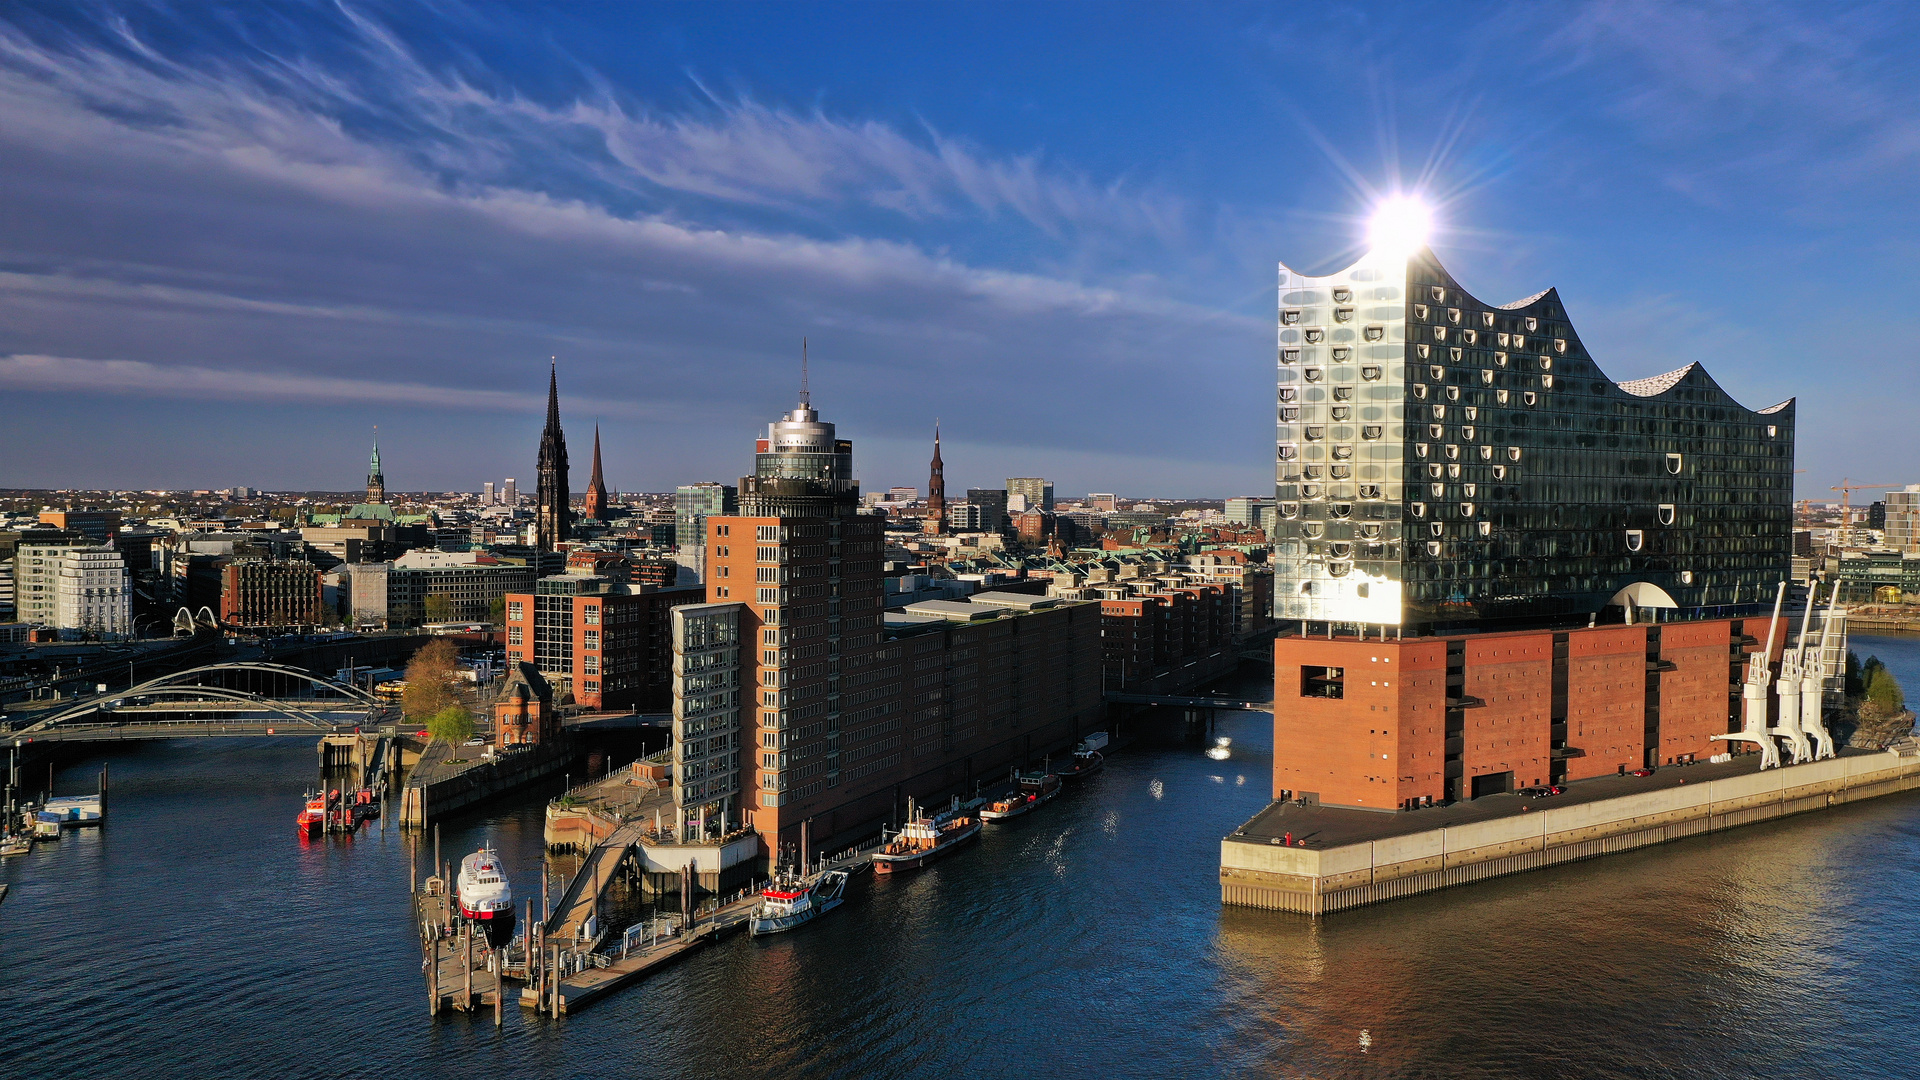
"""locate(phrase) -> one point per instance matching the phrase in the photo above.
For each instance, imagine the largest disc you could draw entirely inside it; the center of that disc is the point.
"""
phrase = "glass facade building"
(1444, 463)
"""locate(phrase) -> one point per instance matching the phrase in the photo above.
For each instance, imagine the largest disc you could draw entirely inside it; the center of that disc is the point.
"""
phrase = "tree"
(453, 724)
(497, 610)
(1883, 691)
(439, 607)
(430, 679)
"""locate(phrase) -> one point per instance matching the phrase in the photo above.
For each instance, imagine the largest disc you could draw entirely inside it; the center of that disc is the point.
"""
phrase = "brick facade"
(1387, 724)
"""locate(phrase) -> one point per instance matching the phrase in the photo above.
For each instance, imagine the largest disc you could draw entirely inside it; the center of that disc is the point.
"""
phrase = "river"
(197, 936)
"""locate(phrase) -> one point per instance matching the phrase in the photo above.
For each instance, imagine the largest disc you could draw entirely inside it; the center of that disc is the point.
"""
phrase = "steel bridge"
(203, 701)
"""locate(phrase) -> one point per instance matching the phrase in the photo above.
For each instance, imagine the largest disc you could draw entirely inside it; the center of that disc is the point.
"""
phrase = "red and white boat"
(925, 838)
(481, 889)
(312, 821)
(1033, 789)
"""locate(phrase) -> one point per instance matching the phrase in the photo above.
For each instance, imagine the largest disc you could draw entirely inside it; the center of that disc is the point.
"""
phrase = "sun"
(1399, 226)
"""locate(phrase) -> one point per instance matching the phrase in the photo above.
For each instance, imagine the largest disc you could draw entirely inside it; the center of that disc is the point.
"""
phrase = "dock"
(597, 976)
(463, 970)
(1319, 860)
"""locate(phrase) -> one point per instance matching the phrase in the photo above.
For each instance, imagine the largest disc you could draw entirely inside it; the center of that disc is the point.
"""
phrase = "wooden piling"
(466, 963)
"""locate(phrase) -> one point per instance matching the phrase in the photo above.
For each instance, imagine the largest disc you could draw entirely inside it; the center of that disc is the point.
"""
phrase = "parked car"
(1642, 772)
(1542, 791)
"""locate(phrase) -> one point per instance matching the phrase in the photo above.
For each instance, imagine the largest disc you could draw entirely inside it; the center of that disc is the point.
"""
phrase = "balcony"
(1465, 701)
(1662, 665)
(1561, 752)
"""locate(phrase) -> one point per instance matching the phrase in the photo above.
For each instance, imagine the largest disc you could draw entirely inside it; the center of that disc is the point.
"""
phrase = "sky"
(235, 239)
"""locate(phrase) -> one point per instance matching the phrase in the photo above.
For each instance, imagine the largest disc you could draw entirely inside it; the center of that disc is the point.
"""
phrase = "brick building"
(606, 643)
(1385, 725)
(271, 592)
(798, 700)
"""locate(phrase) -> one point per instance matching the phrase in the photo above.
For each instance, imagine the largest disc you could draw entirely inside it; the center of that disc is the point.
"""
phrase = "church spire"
(553, 517)
(936, 523)
(376, 480)
(595, 504)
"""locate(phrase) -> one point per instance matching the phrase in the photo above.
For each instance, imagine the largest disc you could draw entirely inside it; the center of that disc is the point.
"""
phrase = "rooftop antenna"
(806, 399)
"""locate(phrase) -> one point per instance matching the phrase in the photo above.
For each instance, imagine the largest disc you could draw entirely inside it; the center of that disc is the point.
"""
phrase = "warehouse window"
(1322, 682)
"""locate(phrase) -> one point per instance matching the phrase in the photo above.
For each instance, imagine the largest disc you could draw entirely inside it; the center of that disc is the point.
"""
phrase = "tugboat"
(482, 893)
(1032, 790)
(925, 838)
(791, 901)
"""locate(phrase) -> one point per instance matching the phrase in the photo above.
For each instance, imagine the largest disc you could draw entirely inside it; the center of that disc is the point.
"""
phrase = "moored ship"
(925, 838)
(312, 820)
(481, 890)
(1031, 789)
(1083, 764)
(791, 901)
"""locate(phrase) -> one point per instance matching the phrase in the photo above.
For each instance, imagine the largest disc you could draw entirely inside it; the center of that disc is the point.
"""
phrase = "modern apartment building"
(93, 593)
(1903, 519)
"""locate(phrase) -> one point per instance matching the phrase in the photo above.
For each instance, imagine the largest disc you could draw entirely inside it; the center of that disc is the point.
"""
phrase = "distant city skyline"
(241, 237)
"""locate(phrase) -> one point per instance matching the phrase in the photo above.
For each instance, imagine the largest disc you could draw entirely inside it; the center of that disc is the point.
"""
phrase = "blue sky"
(233, 239)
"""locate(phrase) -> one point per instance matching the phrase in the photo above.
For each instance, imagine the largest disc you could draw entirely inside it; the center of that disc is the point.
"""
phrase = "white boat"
(16, 845)
(481, 889)
(791, 902)
(1095, 741)
(73, 810)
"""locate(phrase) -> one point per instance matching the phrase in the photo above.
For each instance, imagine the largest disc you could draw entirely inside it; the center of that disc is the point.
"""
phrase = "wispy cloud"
(67, 374)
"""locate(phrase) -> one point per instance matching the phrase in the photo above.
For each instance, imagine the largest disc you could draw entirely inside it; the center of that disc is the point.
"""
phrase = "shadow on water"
(196, 935)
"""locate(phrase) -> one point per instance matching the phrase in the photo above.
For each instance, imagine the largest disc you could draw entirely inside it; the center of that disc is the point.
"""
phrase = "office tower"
(486, 494)
(1038, 492)
(993, 507)
(510, 493)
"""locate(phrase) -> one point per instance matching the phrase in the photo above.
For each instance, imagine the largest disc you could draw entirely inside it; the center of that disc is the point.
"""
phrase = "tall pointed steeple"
(937, 489)
(376, 480)
(553, 518)
(595, 504)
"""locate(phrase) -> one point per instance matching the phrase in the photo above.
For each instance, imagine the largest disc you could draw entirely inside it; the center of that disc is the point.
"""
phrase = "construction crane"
(1846, 487)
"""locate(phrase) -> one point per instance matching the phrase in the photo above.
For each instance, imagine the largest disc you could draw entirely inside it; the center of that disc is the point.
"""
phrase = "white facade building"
(93, 592)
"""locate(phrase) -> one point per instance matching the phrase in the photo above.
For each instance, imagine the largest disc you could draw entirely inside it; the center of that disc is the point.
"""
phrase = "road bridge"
(1190, 702)
(205, 701)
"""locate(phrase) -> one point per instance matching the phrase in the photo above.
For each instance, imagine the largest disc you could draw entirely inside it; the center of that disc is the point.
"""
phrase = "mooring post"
(499, 984)
(466, 961)
(436, 847)
(433, 976)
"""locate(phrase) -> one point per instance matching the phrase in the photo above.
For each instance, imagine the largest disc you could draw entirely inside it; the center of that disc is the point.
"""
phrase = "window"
(1372, 374)
(1290, 317)
(590, 614)
(1323, 682)
(1453, 315)
(1419, 311)
(590, 665)
(590, 686)
(590, 639)
(1375, 333)
(1634, 539)
(1436, 372)
(1666, 513)
(1341, 354)
(1674, 463)
(1344, 314)
(1343, 393)
(1313, 374)
(1341, 412)
(515, 610)
(1341, 296)
(1287, 393)
(514, 636)
(1370, 431)
(1314, 337)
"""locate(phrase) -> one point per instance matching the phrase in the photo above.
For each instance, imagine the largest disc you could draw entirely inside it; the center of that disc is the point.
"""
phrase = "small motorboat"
(18, 844)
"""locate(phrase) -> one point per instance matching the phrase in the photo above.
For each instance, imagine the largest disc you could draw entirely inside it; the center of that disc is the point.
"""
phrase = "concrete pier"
(1359, 857)
(437, 786)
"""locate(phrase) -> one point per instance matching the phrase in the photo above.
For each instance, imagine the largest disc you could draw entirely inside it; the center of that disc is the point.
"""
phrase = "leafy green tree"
(497, 610)
(439, 607)
(453, 725)
(1883, 691)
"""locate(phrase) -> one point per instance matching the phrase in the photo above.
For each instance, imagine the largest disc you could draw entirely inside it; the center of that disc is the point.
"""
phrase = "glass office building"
(1445, 463)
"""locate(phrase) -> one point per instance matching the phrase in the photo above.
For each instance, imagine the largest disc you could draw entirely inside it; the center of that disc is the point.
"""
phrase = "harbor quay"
(1353, 858)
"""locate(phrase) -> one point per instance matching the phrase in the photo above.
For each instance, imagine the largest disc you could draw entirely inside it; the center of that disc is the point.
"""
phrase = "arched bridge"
(242, 698)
